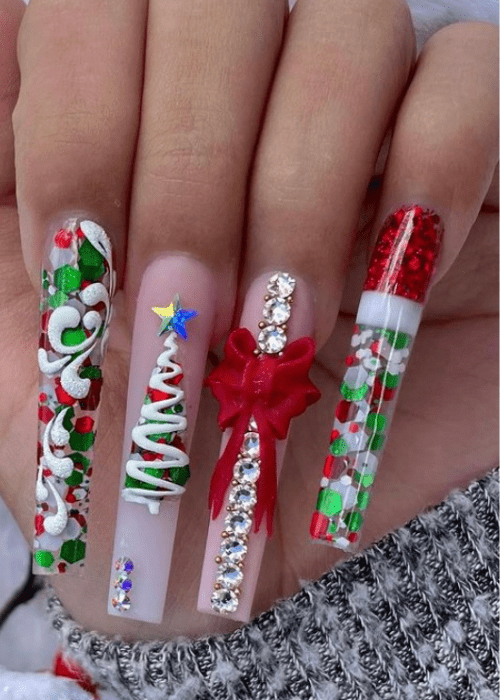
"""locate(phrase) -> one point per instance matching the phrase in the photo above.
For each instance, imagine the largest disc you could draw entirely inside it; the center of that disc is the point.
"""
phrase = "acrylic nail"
(389, 313)
(261, 384)
(173, 323)
(75, 310)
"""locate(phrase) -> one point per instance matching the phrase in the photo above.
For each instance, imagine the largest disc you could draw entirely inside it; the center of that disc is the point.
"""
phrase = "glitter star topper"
(174, 317)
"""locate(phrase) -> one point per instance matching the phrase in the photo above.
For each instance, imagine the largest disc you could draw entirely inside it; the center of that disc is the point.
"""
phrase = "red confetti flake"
(91, 401)
(89, 473)
(410, 240)
(62, 239)
(356, 329)
(334, 435)
(354, 428)
(319, 525)
(42, 397)
(350, 360)
(80, 233)
(44, 320)
(329, 466)
(177, 380)
(157, 395)
(342, 410)
(85, 283)
(381, 392)
(45, 506)
(177, 442)
(47, 472)
(70, 496)
(45, 414)
(79, 519)
(329, 537)
(374, 347)
(84, 424)
(352, 536)
(62, 396)
(61, 567)
(44, 342)
(39, 528)
(151, 456)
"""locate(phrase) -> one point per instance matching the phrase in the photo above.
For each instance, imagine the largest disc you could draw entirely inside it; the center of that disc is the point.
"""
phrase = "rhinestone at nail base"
(277, 310)
(271, 340)
(224, 601)
(251, 444)
(121, 601)
(281, 284)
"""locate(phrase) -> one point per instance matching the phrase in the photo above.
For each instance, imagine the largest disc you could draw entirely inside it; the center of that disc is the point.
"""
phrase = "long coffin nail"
(388, 318)
(261, 384)
(173, 323)
(77, 286)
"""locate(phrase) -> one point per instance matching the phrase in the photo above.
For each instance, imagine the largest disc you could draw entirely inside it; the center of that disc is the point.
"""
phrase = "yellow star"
(164, 311)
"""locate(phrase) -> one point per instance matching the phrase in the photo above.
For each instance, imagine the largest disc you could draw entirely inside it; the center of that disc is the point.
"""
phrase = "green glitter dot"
(397, 340)
(390, 380)
(339, 447)
(67, 278)
(179, 475)
(353, 394)
(353, 520)
(75, 478)
(58, 299)
(363, 499)
(68, 418)
(91, 372)
(44, 559)
(329, 502)
(376, 441)
(73, 336)
(365, 480)
(73, 551)
(332, 528)
(81, 441)
(376, 422)
(79, 459)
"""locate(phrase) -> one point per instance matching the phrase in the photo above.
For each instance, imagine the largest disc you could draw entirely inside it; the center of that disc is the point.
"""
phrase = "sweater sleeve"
(413, 617)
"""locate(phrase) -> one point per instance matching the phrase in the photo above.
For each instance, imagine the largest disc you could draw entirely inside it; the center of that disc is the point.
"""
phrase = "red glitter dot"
(374, 347)
(70, 497)
(319, 525)
(349, 360)
(353, 428)
(61, 567)
(80, 233)
(352, 537)
(47, 472)
(342, 410)
(44, 321)
(157, 395)
(84, 424)
(329, 466)
(39, 528)
(62, 239)
(62, 396)
(45, 414)
(334, 435)
(177, 379)
(42, 397)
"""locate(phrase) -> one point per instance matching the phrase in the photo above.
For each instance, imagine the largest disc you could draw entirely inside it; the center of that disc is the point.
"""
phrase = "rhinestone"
(125, 564)
(234, 549)
(252, 426)
(277, 310)
(239, 523)
(281, 284)
(247, 470)
(272, 340)
(224, 601)
(120, 579)
(250, 447)
(243, 497)
(121, 602)
(230, 576)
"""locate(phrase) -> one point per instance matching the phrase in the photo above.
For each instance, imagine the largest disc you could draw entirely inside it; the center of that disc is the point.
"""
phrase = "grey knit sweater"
(414, 617)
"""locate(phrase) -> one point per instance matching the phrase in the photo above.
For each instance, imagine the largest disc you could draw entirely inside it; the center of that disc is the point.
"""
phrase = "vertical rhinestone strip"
(271, 340)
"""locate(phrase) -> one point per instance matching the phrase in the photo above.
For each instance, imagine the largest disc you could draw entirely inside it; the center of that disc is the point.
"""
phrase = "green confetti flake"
(57, 299)
(376, 441)
(67, 279)
(363, 499)
(353, 394)
(90, 262)
(399, 341)
(75, 478)
(131, 483)
(390, 380)
(366, 480)
(44, 558)
(80, 460)
(73, 551)
(68, 418)
(81, 442)
(353, 520)
(179, 475)
(376, 421)
(329, 502)
(339, 447)
(332, 528)
(73, 336)
(91, 372)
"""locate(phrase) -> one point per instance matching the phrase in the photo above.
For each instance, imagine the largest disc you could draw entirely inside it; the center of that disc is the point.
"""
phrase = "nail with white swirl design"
(77, 286)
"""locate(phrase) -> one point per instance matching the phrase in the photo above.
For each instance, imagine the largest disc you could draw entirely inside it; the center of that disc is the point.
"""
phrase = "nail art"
(260, 385)
(158, 466)
(394, 294)
(75, 307)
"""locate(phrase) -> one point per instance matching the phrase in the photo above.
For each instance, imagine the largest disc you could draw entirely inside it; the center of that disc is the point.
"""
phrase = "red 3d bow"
(271, 388)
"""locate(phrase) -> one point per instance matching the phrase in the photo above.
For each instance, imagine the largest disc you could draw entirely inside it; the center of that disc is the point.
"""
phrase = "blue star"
(174, 317)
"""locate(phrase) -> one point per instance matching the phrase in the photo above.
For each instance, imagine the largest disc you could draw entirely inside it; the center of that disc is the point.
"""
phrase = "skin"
(268, 128)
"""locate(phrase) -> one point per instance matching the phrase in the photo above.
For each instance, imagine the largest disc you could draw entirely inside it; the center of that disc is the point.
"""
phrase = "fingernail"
(261, 384)
(395, 291)
(75, 309)
(173, 323)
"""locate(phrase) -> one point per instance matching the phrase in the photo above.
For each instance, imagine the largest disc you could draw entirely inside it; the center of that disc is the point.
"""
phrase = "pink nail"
(166, 376)
(261, 384)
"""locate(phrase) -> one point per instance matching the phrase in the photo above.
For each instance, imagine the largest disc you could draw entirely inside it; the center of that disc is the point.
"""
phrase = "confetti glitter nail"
(75, 307)
(399, 275)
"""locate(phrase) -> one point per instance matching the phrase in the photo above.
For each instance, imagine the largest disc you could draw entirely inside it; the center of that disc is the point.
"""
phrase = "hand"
(312, 96)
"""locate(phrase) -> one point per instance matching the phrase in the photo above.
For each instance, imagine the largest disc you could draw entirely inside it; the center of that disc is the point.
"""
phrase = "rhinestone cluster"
(122, 584)
(243, 493)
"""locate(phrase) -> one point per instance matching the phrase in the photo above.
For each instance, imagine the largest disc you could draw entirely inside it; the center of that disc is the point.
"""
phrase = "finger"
(326, 117)
(11, 12)
(75, 124)
(443, 155)
(208, 68)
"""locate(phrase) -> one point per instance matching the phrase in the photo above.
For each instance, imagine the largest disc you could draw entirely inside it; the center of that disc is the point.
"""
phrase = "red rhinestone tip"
(406, 253)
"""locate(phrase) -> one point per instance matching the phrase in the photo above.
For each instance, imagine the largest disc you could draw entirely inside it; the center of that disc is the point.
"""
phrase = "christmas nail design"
(77, 286)
(158, 465)
(389, 313)
(261, 385)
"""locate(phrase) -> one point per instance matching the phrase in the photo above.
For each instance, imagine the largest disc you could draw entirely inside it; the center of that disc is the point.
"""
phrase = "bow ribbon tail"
(223, 472)
(267, 483)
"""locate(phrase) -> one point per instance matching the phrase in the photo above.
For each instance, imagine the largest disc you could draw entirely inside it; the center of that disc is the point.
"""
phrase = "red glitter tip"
(406, 252)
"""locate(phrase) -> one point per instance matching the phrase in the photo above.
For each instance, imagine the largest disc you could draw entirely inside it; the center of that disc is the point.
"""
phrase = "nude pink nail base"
(234, 550)
(174, 317)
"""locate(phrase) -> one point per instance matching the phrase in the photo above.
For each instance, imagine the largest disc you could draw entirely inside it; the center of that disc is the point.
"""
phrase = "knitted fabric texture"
(411, 618)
